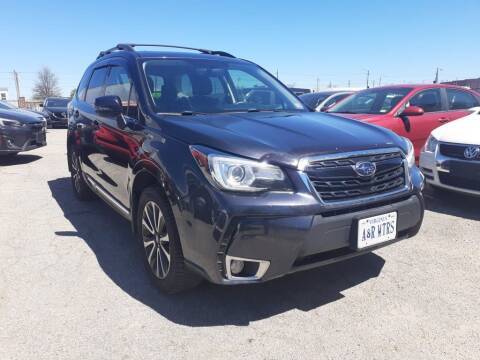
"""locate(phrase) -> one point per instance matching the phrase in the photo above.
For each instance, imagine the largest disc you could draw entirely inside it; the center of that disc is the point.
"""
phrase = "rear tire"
(158, 235)
(79, 184)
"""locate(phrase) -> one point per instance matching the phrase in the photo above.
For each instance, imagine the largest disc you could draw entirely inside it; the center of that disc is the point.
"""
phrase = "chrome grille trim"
(345, 159)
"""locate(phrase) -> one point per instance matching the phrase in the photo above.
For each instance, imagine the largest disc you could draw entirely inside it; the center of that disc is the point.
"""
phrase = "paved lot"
(72, 287)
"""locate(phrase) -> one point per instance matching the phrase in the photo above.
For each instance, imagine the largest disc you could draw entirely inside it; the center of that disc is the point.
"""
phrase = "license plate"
(376, 229)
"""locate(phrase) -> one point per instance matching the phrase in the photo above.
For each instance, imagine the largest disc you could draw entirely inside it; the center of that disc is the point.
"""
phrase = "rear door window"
(429, 100)
(458, 99)
(96, 85)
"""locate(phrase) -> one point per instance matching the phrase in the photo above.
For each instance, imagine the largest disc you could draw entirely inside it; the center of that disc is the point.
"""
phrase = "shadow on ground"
(20, 159)
(108, 235)
(452, 203)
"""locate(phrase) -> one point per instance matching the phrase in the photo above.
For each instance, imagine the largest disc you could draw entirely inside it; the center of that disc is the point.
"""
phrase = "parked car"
(20, 131)
(323, 100)
(412, 111)
(7, 106)
(226, 185)
(451, 156)
(55, 111)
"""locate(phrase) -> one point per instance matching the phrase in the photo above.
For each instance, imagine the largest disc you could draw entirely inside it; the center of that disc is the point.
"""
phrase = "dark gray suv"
(226, 175)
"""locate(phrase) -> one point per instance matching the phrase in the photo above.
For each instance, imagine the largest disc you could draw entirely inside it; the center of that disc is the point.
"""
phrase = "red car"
(412, 111)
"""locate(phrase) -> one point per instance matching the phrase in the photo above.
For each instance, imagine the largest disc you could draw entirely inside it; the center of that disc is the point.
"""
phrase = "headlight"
(410, 152)
(9, 122)
(239, 174)
(431, 144)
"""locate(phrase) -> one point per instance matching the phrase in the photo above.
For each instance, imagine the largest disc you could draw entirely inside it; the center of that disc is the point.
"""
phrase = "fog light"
(236, 266)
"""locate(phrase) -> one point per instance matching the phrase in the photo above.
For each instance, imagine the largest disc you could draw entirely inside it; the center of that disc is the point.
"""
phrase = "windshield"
(213, 86)
(373, 101)
(57, 102)
(6, 106)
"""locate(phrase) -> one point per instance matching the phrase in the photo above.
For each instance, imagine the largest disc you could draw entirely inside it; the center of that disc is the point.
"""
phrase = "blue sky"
(336, 41)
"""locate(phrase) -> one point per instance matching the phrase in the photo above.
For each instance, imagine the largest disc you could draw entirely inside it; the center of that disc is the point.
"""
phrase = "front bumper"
(437, 171)
(291, 232)
(55, 121)
(23, 138)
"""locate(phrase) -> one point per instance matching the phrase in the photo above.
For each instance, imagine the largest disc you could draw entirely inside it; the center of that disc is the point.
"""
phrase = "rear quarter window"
(459, 99)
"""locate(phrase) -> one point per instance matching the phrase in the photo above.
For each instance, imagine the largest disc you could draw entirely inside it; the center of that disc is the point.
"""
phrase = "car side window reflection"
(119, 83)
(95, 86)
(429, 100)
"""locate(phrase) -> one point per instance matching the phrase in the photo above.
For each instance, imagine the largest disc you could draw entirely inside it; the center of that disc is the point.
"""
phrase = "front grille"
(336, 179)
(456, 181)
(453, 150)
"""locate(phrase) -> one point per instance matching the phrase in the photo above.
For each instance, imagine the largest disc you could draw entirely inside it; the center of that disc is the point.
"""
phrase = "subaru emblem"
(365, 168)
(471, 152)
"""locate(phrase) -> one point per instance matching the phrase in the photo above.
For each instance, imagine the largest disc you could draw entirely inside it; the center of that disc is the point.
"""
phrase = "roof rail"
(130, 47)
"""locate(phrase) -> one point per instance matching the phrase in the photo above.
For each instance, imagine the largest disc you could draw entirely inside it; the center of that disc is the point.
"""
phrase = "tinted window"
(118, 83)
(95, 87)
(57, 102)
(372, 101)
(458, 99)
(429, 100)
(82, 87)
(212, 86)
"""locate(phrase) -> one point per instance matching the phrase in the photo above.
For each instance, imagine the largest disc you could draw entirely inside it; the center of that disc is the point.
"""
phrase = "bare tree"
(46, 84)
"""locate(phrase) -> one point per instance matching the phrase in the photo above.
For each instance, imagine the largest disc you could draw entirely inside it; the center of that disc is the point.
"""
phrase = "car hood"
(22, 116)
(461, 131)
(56, 109)
(281, 137)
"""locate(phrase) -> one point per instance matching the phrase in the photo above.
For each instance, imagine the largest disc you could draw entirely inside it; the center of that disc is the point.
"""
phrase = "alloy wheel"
(76, 172)
(155, 239)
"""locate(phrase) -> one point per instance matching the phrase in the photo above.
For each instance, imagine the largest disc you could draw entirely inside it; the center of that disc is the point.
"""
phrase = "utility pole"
(380, 81)
(317, 83)
(277, 73)
(17, 85)
(436, 75)
(368, 79)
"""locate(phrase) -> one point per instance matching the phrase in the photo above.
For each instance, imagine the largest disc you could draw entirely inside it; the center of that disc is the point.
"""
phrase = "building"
(473, 84)
(3, 93)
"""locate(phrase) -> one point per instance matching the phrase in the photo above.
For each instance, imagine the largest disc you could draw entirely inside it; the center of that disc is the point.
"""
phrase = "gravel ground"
(72, 286)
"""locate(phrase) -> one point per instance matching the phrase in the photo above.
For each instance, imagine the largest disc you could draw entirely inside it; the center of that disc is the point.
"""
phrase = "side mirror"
(109, 105)
(412, 111)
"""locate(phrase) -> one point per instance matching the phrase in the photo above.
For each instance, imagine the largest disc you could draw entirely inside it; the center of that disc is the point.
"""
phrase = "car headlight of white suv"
(431, 144)
(410, 155)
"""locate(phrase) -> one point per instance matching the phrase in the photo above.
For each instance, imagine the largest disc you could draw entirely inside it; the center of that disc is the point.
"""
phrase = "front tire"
(158, 235)
(79, 185)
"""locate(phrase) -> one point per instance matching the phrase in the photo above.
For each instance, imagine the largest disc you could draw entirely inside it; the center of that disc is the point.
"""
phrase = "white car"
(450, 158)
(322, 100)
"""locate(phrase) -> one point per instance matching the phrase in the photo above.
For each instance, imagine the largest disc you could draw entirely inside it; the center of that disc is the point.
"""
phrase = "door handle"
(443, 120)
